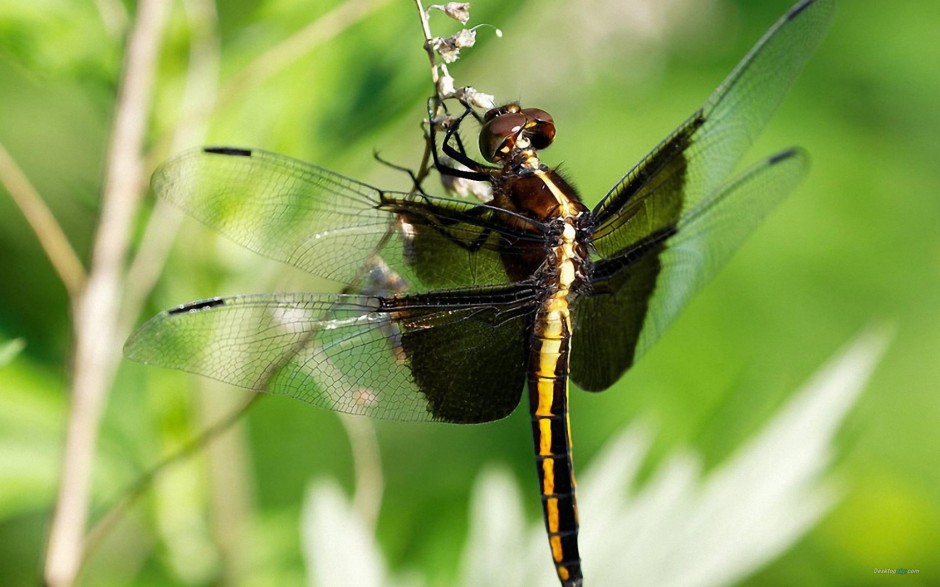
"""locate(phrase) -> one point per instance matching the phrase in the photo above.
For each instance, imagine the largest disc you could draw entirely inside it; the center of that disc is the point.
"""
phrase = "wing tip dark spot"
(197, 306)
(798, 8)
(228, 151)
(783, 155)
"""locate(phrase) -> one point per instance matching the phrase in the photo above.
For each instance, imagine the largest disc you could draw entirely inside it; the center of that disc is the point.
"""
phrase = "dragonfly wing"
(454, 356)
(331, 226)
(636, 295)
(698, 158)
(650, 238)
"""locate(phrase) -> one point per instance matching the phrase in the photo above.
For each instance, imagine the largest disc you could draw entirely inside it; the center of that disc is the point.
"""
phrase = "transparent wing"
(700, 155)
(330, 225)
(455, 356)
(672, 221)
(637, 294)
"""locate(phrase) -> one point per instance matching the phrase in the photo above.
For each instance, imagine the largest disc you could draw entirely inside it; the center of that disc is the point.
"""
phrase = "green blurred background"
(858, 243)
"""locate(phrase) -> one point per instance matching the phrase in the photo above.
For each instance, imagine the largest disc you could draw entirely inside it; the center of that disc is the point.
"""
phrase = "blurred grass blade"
(338, 545)
(11, 349)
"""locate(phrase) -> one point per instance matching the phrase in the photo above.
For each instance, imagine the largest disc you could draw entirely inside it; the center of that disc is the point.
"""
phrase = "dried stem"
(113, 16)
(448, 50)
(425, 166)
(49, 233)
(145, 268)
(199, 94)
(426, 29)
(97, 339)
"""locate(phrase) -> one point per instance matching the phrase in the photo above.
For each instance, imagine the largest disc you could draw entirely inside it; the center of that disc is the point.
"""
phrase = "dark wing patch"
(609, 318)
(467, 353)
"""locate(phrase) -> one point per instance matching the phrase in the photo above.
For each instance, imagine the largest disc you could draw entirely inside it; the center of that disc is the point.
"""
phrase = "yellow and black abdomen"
(548, 405)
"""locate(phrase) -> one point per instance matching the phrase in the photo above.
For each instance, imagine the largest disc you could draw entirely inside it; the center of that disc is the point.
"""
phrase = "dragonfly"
(531, 289)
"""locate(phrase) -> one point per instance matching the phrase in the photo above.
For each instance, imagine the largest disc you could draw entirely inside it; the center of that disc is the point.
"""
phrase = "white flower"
(459, 11)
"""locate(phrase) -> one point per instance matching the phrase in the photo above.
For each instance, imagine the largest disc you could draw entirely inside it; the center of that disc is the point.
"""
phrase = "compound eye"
(540, 127)
(492, 113)
(498, 135)
(539, 115)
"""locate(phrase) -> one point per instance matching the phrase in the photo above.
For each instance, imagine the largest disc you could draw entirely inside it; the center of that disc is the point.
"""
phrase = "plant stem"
(96, 309)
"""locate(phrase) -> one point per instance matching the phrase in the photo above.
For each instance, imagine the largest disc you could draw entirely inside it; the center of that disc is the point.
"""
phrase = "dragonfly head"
(510, 129)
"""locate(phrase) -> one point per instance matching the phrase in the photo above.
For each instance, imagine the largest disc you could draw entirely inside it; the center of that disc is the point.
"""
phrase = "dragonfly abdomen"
(548, 406)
